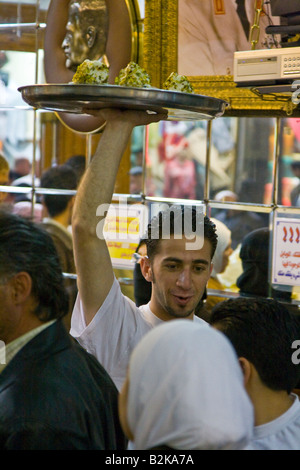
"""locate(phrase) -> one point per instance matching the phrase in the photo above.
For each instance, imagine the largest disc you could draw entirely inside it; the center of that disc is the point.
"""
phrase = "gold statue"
(114, 33)
(86, 32)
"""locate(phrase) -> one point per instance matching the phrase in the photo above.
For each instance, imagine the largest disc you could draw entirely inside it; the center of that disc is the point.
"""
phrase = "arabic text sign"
(286, 252)
(124, 226)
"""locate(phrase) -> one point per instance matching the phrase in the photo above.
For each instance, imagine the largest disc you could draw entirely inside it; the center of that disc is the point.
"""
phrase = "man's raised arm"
(93, 263)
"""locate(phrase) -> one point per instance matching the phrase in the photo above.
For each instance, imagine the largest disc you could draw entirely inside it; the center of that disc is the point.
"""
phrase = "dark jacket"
(56, 396)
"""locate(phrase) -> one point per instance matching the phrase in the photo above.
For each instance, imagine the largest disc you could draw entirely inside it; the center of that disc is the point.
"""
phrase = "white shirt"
(282, 433)
(114, 331)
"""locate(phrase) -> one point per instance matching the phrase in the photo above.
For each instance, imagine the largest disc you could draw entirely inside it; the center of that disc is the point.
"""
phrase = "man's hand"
(133, 117)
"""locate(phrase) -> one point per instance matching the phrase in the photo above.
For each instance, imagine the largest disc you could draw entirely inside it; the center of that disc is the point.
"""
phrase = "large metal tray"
(74, 98)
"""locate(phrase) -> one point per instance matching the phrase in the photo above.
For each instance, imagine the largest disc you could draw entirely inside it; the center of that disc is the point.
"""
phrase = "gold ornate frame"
(137, 30)
(160, 59)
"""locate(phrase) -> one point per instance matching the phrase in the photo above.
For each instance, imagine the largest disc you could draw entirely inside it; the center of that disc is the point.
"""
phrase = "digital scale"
(267, 66)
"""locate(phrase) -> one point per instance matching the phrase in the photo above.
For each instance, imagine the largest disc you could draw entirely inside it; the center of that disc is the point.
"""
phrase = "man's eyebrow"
(172, 258)
(201, 261)
(179, 260)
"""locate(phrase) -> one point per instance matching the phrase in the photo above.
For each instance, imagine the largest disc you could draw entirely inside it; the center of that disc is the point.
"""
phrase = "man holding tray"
(104, 321)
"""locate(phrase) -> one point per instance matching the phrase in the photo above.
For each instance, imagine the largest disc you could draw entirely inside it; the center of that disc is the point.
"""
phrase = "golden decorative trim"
(169, 35)
(136, 27)
(244, 101)
(152, 40)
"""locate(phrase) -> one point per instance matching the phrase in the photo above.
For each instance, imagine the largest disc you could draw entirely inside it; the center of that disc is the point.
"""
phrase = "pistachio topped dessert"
(133, 76)
(178, 82)
(91, 72)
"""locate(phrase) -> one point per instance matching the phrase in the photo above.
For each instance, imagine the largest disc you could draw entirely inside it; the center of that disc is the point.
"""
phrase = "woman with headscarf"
(184, 390)
(220, 262)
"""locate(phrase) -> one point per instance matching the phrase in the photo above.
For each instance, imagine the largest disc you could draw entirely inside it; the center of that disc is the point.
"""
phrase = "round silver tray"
(73, 98)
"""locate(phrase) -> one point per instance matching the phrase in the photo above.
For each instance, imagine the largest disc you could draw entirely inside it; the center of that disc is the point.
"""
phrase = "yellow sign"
(124, 226)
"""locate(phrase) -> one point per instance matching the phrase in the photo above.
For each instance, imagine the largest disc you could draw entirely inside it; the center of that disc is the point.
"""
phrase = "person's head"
(27, 210)
(31, 279)
(262, 332)
(181, 242)
(59, 177)
(4, 175)
(223, 250)
(254, 254)
(22, 166)
(136, 180)
(141, 251)
(295, 167)
(184, 389)
(226, 195)
(78, 164)
(86, 32)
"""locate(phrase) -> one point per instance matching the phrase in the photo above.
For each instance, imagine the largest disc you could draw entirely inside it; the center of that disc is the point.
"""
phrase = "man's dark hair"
(78, 164)
(262, 331)
(170, 217)
(24, 246)
(58, 177)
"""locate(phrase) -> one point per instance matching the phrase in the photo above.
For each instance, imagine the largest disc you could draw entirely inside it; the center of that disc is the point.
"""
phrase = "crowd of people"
(178, 367)
(133, 358)
(119, 374)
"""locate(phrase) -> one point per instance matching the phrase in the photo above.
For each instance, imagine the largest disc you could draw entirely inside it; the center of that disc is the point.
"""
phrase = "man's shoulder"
(93, 367)
(59, 233)
(199, 320)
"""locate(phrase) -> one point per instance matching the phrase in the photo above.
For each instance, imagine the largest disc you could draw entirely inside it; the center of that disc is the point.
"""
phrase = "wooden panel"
(20, 13)
(21, 39)
(58, 143)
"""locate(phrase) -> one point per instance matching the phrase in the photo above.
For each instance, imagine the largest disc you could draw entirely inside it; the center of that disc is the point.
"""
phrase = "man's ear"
(146, 268)
(246, 369)
(91, 36)
(21, 286)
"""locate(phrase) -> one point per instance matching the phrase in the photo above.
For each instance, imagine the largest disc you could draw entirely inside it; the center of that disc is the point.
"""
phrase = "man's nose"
(184, 279)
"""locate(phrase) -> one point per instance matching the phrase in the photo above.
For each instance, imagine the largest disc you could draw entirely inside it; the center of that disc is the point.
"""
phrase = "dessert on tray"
(133, 76)
(91, 72)
(176, 82)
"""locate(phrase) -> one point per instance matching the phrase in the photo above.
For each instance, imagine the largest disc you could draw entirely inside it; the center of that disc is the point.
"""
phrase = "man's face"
(74, 43)
(136, 184)
(179, 278)
(85, 35)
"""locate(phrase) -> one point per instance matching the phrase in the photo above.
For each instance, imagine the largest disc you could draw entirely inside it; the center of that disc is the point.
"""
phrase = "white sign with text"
(286, 252)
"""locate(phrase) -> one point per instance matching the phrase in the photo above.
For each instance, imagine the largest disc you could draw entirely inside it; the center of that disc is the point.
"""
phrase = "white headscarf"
(224, 238)
(186, 390)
